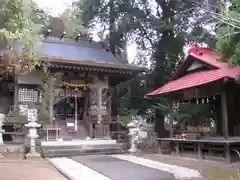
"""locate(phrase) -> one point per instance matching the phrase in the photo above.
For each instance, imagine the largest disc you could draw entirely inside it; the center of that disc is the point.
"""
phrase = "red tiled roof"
(209, 56)
(206, 55)
(195, 80)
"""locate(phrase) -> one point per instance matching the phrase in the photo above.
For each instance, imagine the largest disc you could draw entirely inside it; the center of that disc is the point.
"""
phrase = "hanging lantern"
(197, 101)
(203, 101)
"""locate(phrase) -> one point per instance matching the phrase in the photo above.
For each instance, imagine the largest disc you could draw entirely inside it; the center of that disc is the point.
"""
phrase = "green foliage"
(228, 32)
(18, 22)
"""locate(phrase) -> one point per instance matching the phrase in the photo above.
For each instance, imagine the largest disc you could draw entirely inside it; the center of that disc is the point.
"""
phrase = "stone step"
(75, 152)
(80, 147)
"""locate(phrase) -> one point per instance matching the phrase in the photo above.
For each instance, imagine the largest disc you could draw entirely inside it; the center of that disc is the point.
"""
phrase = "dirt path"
(38, 169)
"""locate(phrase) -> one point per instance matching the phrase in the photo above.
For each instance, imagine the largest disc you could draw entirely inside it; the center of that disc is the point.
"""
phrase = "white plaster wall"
(98, 82)
(34, 77)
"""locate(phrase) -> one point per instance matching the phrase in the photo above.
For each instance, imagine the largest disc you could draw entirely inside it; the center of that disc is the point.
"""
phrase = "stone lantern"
(32, 126)
(133, 133)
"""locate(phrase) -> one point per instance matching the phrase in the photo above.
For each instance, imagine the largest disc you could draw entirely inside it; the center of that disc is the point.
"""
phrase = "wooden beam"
(224, 114)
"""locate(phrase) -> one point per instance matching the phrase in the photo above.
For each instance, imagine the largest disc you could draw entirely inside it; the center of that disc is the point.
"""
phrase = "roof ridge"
(69, 41)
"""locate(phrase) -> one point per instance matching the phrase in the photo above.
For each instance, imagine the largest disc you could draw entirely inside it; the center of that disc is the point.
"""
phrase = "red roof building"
(202, 66)
(202, 76)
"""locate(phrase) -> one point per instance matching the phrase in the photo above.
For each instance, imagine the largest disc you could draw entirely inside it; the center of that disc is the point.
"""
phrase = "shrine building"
(82, 100)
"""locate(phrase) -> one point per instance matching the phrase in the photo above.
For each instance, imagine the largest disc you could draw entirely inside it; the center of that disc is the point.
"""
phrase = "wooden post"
(118, 129)
(75, 112)
(224, 114)
(99, 105)
(171, 117)
(16, 91)
(51, 98)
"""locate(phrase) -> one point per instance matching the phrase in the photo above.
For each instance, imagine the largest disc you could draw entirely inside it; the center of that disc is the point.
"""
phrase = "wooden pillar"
(99, 103)
(16, 91)
(171, 118)
(118, 129)
(224, 114)
(51, 99)
(99, 115)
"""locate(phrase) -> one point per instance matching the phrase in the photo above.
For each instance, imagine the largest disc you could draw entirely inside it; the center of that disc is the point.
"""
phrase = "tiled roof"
(196, 80)
(208, 56)
(205, 55)
(79, 53)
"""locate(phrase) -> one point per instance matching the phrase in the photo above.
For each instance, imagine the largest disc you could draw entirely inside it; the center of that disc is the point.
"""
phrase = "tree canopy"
(228, 31)
(21, 21)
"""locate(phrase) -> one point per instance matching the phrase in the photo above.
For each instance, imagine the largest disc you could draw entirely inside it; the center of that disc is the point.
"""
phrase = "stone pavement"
(118, 167)
(37, 169)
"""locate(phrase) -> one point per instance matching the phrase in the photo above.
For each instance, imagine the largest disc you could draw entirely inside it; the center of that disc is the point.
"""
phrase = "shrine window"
(28, 95)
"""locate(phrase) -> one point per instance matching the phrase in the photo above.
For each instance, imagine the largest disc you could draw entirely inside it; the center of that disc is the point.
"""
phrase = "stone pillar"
(1, 130)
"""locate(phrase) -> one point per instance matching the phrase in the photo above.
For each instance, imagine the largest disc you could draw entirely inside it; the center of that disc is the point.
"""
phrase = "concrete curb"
(59, 170)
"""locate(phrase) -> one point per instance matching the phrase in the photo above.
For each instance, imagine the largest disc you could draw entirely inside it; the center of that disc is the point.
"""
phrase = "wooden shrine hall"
(82, 100)
(205, 78)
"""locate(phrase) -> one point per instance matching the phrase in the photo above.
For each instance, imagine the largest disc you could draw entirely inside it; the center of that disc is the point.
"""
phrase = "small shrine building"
(204, 77)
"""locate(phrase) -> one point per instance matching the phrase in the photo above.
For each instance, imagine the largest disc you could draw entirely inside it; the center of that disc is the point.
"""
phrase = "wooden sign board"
(93, 110)
(191, 93)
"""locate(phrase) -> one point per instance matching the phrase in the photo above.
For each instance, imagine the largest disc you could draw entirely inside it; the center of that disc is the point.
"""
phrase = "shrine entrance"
(68, 110)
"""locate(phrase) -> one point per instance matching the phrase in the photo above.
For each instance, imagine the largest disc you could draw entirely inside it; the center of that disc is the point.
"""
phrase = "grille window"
(28, 95)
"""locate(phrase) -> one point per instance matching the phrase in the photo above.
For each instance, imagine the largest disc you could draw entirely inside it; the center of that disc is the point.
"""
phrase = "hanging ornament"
(85, 88)
(214, 97)
(197, 101)
(76, 89)
(203, 101)
(207, 100)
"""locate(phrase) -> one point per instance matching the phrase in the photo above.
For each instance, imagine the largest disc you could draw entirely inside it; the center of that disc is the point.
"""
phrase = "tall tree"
(160, 29)
(20, 21)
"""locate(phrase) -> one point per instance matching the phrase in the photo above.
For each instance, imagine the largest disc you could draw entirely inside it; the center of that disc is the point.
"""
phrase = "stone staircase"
(67, 133)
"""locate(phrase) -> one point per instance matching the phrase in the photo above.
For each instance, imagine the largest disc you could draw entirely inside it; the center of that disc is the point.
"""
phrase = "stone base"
(78, 147)
(134, 151)
(3, 148)
(32, 155)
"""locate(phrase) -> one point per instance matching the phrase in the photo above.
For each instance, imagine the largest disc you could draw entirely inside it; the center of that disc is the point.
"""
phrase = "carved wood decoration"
(106, 98)
(93, 96)
(93, 102)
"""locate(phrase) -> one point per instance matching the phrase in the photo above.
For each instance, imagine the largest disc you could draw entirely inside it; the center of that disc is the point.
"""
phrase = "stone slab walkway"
(37, 169)
(178, 171)
(118, 167)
